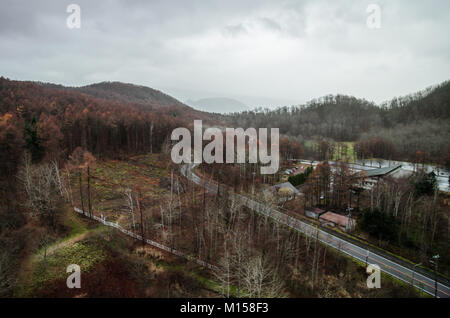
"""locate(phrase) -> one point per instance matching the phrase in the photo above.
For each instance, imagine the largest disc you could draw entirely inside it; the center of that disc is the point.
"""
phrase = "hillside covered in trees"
(45, 128)
(125, 92)
(407, 125)
(107, 119)
(106, 151)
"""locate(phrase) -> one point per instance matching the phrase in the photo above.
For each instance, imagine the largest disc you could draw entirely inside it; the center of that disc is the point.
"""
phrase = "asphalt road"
(420, 281)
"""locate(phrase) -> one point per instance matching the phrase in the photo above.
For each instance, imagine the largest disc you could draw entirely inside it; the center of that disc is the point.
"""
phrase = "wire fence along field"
(148, 241)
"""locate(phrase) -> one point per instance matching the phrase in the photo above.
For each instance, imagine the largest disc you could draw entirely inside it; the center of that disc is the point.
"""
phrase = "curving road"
(420, 281)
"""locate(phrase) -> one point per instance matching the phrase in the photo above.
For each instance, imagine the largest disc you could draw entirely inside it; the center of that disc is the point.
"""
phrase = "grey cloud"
(284, 50)
(270, 24)
(235, 30)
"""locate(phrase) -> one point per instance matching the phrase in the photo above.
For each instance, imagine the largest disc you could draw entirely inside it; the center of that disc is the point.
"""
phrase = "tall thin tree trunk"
(151, 133)
(81, 191)
(89, 191)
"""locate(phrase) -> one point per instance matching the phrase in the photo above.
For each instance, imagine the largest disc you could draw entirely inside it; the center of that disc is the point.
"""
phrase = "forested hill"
(431, 103)
(51, 120)
(125, 92)
(345, 118)
(118, 93)
(130, 93)
(415, 123)
(340, 117)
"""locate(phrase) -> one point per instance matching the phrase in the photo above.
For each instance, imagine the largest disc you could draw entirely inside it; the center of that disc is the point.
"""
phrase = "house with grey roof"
(285, 191)
(372, 176)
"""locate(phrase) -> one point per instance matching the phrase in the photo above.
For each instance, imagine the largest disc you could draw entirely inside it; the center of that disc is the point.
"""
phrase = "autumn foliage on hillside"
(52, 122)
(42, 128)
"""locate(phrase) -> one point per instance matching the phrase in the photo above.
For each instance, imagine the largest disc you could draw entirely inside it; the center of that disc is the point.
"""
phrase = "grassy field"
(49, 262)
(111, 179)
(140, 172)
(112, 265)
(336, 156)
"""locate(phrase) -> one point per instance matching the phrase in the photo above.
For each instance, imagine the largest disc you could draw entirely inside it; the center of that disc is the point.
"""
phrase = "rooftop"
(335, 218)
(382, 171)
(286, 185)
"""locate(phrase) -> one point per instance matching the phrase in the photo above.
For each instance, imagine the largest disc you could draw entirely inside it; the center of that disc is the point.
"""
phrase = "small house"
(345, 223)
(285, 191)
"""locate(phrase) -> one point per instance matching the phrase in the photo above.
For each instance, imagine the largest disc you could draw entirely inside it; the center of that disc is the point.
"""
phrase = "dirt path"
(58, 245)
(29, 265)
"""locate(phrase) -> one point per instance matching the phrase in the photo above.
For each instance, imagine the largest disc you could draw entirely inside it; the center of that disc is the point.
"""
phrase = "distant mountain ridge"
(218, 105)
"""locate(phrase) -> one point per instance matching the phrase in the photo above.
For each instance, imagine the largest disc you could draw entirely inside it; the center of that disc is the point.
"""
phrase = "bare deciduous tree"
(43, 189)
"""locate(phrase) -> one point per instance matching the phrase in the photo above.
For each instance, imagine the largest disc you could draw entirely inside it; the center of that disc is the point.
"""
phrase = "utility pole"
(138, 201)
(435, 262)
(218, 182)
(350, 197)
(349, 215)
(89, 190)
(253, 183)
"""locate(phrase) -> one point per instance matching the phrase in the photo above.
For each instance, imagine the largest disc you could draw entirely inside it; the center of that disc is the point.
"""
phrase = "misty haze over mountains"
(282, 49)
(218, 105)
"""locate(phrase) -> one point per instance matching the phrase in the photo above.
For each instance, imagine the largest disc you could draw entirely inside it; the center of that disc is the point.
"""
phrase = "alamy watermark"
(74, 19)
(374, 19)
(74, 279)
(214, 151)
(374, 279)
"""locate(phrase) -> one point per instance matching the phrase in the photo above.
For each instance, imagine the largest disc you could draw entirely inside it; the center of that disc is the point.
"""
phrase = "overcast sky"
(260, 52)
